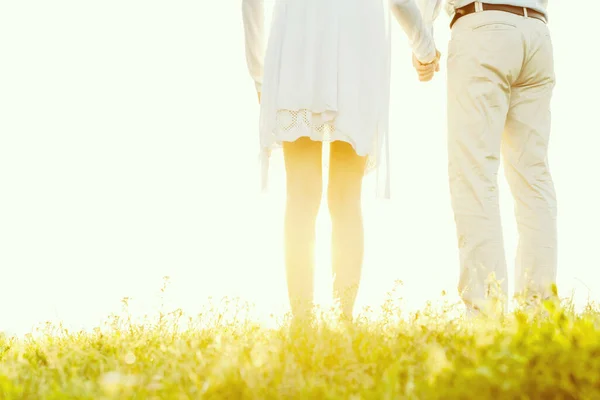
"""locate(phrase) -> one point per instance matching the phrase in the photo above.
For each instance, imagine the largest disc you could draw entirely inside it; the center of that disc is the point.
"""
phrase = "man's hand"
(426, 71)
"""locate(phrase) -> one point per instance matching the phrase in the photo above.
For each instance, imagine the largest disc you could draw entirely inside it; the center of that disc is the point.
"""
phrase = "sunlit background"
(128, 152)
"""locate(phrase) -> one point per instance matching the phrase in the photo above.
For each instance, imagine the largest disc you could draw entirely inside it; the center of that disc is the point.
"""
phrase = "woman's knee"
(343, 200)
(305, 201)
(345, 181)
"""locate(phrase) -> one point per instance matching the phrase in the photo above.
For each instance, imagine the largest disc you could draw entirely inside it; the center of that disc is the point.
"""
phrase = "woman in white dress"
(325, 77)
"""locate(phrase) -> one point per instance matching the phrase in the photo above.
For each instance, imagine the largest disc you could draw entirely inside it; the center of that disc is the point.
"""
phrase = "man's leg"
(483, 57)
(525, 151)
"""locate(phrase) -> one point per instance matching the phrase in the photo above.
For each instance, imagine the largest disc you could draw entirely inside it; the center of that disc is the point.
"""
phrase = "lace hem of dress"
(293, 124)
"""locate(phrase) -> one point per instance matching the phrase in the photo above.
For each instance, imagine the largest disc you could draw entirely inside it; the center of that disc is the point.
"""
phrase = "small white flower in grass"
(111, 381)
(437, 361)
(156, 383)
(110, 378)
(484, 371)
(130, 358)
(205, 386)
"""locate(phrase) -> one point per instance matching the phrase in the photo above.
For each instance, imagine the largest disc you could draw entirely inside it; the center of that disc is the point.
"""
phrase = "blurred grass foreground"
(553, 353)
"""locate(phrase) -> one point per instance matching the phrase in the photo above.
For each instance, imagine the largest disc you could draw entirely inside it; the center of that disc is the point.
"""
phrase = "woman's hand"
(426, 71)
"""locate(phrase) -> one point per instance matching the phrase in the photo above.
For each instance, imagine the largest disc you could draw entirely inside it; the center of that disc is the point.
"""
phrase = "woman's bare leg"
(344, 199)
(304, 192)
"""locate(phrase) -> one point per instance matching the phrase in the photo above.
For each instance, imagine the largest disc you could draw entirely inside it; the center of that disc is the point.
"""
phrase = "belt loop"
(478, 6)
(525, 13)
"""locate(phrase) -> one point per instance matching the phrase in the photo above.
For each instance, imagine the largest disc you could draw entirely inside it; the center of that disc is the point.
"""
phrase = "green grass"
(427, 355)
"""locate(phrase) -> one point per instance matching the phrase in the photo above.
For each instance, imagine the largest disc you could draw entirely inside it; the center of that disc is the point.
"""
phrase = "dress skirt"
(327, 77)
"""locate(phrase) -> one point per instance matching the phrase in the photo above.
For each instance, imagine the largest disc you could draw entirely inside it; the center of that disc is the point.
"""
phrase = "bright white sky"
(128, 151)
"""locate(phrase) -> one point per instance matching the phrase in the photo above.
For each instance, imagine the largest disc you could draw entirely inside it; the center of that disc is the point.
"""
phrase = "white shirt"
(406, 12)
(415, 22)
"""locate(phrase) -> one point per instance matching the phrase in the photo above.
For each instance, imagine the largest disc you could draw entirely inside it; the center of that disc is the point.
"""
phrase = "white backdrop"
(128, 151)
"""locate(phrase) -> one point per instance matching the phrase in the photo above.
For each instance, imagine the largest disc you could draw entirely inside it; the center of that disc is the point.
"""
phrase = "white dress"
(326, 73)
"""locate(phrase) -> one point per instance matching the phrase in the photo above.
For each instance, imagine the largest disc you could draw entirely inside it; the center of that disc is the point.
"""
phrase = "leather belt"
(522, 11)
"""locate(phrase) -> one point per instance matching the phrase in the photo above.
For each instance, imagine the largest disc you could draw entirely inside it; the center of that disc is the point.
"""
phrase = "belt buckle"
(478, 6)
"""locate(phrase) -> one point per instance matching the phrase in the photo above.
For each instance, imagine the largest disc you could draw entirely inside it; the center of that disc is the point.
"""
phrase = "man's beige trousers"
(500, 83)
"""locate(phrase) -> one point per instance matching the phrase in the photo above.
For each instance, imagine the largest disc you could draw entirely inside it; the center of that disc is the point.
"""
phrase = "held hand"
(426, 71)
